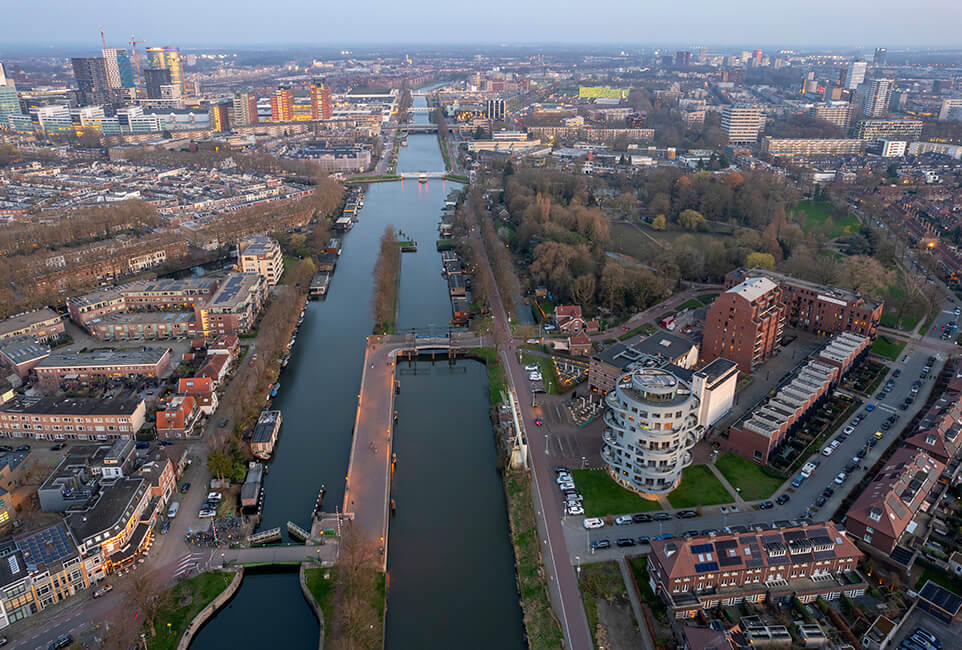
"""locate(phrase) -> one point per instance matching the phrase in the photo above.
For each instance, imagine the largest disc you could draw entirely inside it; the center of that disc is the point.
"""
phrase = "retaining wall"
(314, 604)
(211, 608)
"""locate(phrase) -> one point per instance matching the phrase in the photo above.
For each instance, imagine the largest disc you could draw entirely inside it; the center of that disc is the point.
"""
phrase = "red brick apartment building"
(145, 362)
(705, 571)
(76, 418)
(744, 324)
(818, 308)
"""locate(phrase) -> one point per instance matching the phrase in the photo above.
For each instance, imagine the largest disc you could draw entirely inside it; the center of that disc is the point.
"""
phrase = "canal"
(449, 552)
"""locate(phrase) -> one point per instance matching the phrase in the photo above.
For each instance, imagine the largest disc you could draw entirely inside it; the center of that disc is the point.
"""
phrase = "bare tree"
(148, 592)
(357, 624)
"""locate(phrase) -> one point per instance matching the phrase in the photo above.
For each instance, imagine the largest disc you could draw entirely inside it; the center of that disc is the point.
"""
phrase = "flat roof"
(23, 349)
(124, 404)
(660, 346)
(28, 319)
(110, 510)
(105, 358)
(47, 545)
(145, 318)
(752, 289)
(234, 291)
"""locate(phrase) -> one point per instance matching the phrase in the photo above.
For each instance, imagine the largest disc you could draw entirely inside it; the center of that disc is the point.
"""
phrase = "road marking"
(886, 407)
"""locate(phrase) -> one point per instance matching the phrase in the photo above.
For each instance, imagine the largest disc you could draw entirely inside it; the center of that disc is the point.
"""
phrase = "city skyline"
(822, 24)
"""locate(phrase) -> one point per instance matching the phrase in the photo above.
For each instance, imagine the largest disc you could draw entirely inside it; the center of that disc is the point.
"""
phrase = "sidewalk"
(636, 606)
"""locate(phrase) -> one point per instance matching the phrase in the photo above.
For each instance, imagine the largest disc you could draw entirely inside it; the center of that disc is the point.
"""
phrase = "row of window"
(57, 418)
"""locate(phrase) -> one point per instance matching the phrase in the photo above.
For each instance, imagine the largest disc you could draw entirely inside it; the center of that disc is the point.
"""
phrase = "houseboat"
(333, 246)
(251, 489)
(319, 284)
(265, 434)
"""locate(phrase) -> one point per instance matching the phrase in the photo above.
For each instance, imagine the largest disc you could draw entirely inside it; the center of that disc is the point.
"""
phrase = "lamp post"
(546, 453)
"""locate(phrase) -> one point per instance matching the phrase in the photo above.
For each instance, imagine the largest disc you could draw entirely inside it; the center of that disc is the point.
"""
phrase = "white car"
(564, 477)
(214, 496)
(531, 367)
(535, 376)
(840, 478)
(623, 520)
(575, 510)
(593, 522)
(207, 513)
(848, 430)
(549, 327)
(566, 486)
(828, 451)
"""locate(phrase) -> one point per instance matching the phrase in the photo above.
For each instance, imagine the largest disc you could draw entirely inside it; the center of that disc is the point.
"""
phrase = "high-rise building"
(872, 97)
(282, 104)
(9, 100)
(879, 59)
(245, 109)
(745, 324)
(856, 74)
(168, 58)
(951, 109)
(91, 76)
(838, 113)
(120, 74)
(682, 58)
(322, 104)
(742, 123)
(3, 75)
(892, 129)
(494, 110)
(220, 116)
(756, 58)
(154, 78)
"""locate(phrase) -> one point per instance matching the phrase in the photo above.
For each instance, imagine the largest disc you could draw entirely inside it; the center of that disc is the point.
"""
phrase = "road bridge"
(417, 175)
(419, 128)
(283, 554)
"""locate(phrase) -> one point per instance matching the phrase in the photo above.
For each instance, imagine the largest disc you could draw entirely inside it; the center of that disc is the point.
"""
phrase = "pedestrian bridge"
(416, 175)
(420, 109)
(282, 554)
(419, 128)
(406, 342)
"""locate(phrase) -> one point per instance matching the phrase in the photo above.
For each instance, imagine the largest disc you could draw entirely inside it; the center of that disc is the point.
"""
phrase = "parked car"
(623, 520)
(820, 501)
(625, 541)
(531, 367)
(558, 469)
(142, 445)
(686, 514)
(57, 447)
(766, 505)
(63, 641)
(841, 478)
(661, 516)
(870, 407)
(185, 487)
(206, 513)
(641, 518)
(165, 528)
(593, 522)
(782, 499)
(644, 539)
(600, 544)
(827, 492)
(23, 448)
(564, 478)
(568, 485)
(103, 590)
(574, 510)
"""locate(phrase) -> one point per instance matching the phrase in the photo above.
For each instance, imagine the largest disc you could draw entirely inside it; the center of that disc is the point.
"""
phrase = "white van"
(172, 511)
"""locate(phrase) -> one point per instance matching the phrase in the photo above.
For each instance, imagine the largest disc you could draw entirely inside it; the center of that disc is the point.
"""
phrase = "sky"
(198, 23)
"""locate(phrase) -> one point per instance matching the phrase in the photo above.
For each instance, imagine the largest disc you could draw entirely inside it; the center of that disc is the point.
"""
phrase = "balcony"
(607, 456)
(611, 439)
(609, 419)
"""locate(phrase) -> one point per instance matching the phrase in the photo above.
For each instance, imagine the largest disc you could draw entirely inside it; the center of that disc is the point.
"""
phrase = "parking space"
(951, 637)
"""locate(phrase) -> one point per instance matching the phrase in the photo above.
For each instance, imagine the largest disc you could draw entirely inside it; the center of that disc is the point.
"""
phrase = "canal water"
(449, 552)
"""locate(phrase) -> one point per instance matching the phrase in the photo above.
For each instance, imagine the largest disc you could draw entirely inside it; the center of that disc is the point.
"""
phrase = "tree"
(613, 286)
(356, 625)
(691, 220)
(583, 289)
(761, 260)
(147, 591)
(659, 222)
(220, 463)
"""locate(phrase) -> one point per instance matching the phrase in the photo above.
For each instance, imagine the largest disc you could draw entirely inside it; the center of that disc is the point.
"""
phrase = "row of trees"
(386, 271)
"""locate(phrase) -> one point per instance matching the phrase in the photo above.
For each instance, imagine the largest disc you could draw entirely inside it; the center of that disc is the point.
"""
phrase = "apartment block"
(744, 324)
(41, 324)
(811, 147)
(83, 367)
(74, 418)
(818, 308)
(261, 254)
(803, 562)
(607, 366)
(838, 113)
(741, 123)
(892, 129)
(234, 306)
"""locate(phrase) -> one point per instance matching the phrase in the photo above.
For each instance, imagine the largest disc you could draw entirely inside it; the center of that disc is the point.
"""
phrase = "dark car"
(710, 531)
(222, 423)
(861, 452)
(782, 499)
(164, 443)
(23, 448)
(142, 445)
(689, 533)
(640, 518)
(644, 539)
(57, 447)
(885, 426)
(897, 373)
(881, 395)
(600, 543)
(827, 492)
(820, 501)
(686, 514)
(871, 442)
(185, 487)
(61, 642)
(903, 405)
(625, 541)
(164, 528)
(766, 505)
(6, 448)
(661, 516)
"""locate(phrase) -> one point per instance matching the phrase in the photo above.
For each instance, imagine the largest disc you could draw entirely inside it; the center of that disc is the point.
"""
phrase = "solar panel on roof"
(705, 567)
(727, 560)
(754, 563)
(702, 548)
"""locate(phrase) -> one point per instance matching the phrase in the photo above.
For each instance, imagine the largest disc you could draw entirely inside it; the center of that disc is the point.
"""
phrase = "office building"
(811, 147)
(941, 148)
(168, 58)
(9, 102)
(892, 129)
(494, 110)
(120, 74)
(765, 430)
(682, 58)
(220, 116)
(651, 424)
(154, 79)
(880, 56)
(777, 566)
(838, 113)
(818, 308)
(741, 123)
(855, 74)
(951, 109)
(90, 75)
(322, 105)
(261, 254)
(744, 324)
(872, 98)
(3, 76)
(282, 104)
(244, 109)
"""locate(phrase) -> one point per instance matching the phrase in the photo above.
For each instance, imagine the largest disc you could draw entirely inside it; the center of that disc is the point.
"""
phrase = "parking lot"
(951, 637)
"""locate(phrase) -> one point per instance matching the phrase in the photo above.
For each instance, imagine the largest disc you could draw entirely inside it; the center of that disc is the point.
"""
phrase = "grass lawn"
(548, 372)
(908, 320)
(690, 304)
(602, 496)
(185, 602)
(708, 298)
(813, 216)
(540, 626)
(753, 481)
(639, 567)
(698, 487)
(888, 348)
(941, 578)
(497, 380)
(323, 591)
(601, 580)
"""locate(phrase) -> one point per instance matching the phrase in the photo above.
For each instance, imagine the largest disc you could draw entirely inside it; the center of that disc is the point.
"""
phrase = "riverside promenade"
(367, 494)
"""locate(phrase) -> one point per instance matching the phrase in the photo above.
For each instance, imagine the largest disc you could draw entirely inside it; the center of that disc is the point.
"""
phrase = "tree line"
(387, 270)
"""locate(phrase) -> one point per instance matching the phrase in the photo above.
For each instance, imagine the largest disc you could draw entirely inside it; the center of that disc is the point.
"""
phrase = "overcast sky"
(860, 23)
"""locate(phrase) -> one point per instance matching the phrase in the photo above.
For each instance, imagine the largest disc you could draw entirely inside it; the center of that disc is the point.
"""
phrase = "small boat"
(422, 177)
(276, 388)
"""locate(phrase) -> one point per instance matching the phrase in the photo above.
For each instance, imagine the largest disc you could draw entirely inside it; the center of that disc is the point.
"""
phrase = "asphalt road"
(579, 539)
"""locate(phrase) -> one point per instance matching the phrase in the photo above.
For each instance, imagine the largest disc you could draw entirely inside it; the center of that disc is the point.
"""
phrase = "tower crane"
(133, 47)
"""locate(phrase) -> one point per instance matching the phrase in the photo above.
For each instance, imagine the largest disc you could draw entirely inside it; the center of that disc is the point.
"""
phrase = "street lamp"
(546, 444)
(584, 462)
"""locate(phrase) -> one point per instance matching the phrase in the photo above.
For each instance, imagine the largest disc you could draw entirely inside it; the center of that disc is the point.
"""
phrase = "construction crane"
(133, 47)
(103, 40)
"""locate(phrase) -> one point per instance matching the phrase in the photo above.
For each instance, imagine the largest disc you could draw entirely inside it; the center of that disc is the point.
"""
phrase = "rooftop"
(655, 350)
(29, 319)
(110, 511)
(753, 288)
(125, 403)
(23, 349)
(234, 291)
(105, 358)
